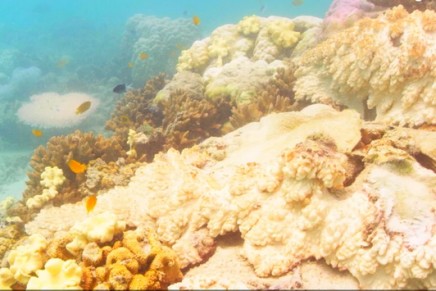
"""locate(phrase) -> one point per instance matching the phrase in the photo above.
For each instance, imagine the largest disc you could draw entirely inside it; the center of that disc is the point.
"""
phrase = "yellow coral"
(195, 58)
(130, 241)
(119, 277)
(249, 25)
(98, 228)
(58, 274)
(28, 258)
(6, 279)
(282, 33)
(122, 256)
(51, 178)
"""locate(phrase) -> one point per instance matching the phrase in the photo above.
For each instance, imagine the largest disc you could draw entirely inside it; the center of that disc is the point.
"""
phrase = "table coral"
(382, 64)
(58, 274)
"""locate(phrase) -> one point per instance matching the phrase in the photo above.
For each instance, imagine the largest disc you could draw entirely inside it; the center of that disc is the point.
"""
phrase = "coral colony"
(283, 154)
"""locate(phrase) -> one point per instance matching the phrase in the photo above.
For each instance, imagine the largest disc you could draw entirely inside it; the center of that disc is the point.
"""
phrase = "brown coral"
(83, 147)
(276, 96)
(136, 109)
(188, 121)
(410, 5)
(57, 247)
(8, 236)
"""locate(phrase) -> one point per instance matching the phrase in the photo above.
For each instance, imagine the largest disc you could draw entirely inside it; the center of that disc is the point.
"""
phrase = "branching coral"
(83, 147)
(384, 64)
(275, 96)
(136, 109)
(188, 121)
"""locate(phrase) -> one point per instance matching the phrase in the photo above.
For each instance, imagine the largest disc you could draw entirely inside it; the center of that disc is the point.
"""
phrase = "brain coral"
(384, 64)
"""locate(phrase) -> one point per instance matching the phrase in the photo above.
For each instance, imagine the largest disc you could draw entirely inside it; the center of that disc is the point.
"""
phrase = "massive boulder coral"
(281, 185)
(384, 65)
(255, 46)
(155, 43)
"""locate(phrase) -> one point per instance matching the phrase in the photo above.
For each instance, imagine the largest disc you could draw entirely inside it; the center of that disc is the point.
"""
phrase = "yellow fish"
(90, 203)
(297, 2)
(196, 20)
(83, 107)
(76, 167)
(143, 56)
(37, 132)
(62, 62)
(130, 65)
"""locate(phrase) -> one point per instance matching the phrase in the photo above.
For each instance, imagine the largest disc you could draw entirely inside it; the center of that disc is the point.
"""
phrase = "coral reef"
(382, 65)
(275, 96)
(410, 5)
(256, 38)
(51, 109)
(27, 258)
(161, 39)
(188, 121)
(136, 110)
(58, 274)
(343, 13)
(281, 184)
(51, 178)
(83, 147)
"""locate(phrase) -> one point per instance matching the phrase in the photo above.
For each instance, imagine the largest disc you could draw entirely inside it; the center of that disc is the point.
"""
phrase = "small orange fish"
(196, 20)
(130, 65)
(90, 203)
(297, 2)
(62, 62)
(83, 107)
(76, 167)
(37, 132)
(143, 56)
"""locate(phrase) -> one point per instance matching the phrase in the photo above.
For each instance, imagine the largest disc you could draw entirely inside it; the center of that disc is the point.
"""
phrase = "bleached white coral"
(28, 258)
(365, 228)
(385, 64)
(99, 228)
(51, 178)
(50, 109)
(58, 274)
